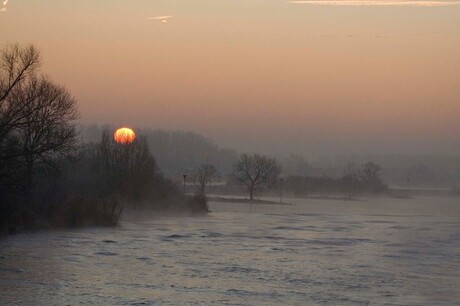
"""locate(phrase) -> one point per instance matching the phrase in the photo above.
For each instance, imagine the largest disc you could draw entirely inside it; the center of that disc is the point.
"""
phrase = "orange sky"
(258, 74)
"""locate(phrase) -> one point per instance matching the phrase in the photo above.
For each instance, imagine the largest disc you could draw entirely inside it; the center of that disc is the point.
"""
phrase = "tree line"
(176, 152)
(355, 180)
(263, 174)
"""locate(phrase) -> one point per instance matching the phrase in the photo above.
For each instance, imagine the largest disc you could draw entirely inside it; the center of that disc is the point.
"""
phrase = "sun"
(124, 135)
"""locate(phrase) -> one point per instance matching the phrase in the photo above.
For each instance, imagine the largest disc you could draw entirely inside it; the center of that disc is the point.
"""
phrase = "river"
(313, 252)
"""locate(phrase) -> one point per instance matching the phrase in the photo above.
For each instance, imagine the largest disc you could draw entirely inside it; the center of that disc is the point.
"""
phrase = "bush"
(198, 203)
(456, 191)
(86, 211)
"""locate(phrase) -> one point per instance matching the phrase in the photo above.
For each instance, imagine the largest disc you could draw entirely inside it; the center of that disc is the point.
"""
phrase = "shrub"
(198, 203)
(86, 211)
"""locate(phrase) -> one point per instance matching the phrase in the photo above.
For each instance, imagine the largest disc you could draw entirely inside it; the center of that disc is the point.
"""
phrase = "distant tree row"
(355, 180)
(258, 173)
(253, 172)
(176, 152)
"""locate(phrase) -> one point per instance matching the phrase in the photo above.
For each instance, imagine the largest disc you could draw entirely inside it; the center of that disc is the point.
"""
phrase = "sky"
(309, 77)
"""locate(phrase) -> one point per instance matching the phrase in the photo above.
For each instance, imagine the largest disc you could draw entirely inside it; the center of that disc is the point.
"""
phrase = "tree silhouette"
(371, 179)
(37, 130)
(351, 183)
(203, 176)
(125, 169)
(48, 131)
(16, 65)
(37, 117)
(255, 171)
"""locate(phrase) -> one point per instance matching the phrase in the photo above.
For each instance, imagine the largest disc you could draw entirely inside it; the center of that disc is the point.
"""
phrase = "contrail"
(163, 19)
(4, 8)
(421, 3)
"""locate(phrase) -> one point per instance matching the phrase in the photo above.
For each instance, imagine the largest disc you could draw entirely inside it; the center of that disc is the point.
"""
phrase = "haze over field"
(311, 77)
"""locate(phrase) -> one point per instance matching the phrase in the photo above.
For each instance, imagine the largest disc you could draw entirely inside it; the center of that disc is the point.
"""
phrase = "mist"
(206, 152)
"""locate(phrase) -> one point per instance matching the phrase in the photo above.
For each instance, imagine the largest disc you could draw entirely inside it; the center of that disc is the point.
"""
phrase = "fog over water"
(320, 252)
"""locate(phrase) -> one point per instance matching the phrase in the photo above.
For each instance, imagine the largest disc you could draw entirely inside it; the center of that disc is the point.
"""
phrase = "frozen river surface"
(316, 252)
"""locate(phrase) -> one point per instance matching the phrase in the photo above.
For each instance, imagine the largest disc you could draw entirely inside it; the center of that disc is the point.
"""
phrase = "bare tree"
(371, 179)
(48, 114)
(254, 171)
(17, 65)
(37, 117)
(204, 176)
(351, 180)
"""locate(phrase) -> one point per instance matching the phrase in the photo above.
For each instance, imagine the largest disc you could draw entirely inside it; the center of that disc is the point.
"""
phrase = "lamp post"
(185, 178)
(281, 190)
(408, 186)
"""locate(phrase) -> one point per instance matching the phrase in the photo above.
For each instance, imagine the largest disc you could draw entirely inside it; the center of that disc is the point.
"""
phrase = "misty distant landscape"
(180, 151)
(210, 152)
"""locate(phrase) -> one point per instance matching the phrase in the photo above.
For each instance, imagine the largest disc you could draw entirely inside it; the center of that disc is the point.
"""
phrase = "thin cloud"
(421, 3)
(163, 19)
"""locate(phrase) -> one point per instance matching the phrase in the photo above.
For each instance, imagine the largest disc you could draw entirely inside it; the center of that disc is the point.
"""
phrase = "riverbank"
(245, 201)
